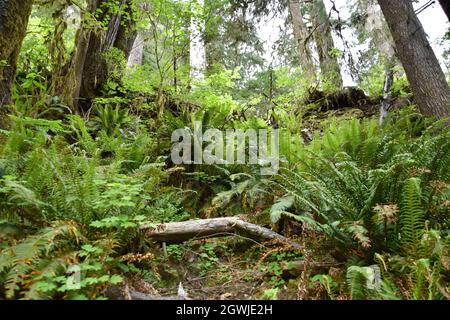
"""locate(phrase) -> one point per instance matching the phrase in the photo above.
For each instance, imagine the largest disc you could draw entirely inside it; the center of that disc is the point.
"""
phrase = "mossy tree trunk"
(301, 38)
(329, 63)
(14, 15)
(427, 80)
(88, 71)
(120, 33)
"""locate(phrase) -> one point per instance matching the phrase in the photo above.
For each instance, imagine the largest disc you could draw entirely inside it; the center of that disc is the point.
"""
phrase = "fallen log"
(177, 232)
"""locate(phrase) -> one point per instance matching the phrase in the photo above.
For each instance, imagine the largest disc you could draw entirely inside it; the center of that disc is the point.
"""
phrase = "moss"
(14, 16)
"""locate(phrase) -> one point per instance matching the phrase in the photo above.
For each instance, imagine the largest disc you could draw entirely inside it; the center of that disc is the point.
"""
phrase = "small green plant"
(111, 119)
(275, 270)
(58, 262)
(326, 282)
(175, 252)
(208, 258)
(270, 294)
(363, 282)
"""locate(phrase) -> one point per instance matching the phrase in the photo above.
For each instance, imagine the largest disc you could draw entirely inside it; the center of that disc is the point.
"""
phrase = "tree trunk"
(196, 229)
(137, 52)
(446, 7)
(329, 64)
(14, 15)
(388, 83)
(88, 70)
(422, 68)
(127, 32)
(301, 38)
(67, 83)
(95, 68)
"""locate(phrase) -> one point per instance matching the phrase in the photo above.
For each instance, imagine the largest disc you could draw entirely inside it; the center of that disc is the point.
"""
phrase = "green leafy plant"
(112, 119)
(41, 266)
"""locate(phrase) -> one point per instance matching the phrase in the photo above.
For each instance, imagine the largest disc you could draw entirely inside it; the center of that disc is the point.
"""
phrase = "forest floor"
(327, 246)
(230, 268)
(219, 269)
(234, 268)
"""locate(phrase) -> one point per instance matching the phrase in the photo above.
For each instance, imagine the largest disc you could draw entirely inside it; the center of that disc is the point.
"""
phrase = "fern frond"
(411, 217)
(360, 281)
(280, 207)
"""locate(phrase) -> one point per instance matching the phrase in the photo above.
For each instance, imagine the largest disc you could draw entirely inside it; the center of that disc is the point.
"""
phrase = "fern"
(37, 266)
(280, 207)
(22, 259)
(357, 166)
(411, 217)
(111, 119)
(363, 282)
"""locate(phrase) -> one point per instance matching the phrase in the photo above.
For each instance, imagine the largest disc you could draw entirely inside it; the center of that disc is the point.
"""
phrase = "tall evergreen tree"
(301, 38)
(329, 63)
(114, 27)
(427, 80)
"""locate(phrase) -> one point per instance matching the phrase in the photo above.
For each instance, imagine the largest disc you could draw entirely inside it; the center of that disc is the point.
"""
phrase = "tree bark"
(95, 68)
(388, 83)
(88, 70)
(195, 229)
(422, 68)
(329, 63)
(446, 7)
(14, 15)
(301, 38)
(137, 52)
(127, 32)
(67, 84)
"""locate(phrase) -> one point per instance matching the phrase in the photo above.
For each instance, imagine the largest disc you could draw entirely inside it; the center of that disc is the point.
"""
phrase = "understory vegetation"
(369, 202)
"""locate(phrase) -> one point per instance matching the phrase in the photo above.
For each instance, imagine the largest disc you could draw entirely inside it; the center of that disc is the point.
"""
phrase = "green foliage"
(246, 190)
(280, 207)
(75, 191)
(97, 176)
(271, 294)
(374, 189)
(54, 263)
(328, 283)
(374, 80)
(47, 177)
(208, 258)
(214, 94)
(412, 225)
(111, 119)
(362, 282)
(356, 166)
